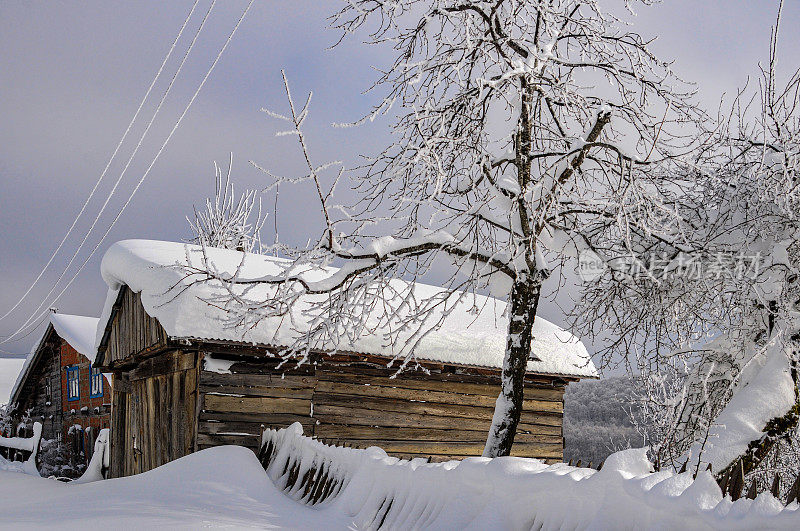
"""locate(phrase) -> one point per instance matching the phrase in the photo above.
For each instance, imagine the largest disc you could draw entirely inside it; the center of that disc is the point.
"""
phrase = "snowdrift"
(222, 487)
(378, 491)
(227, 487)
(30, 448)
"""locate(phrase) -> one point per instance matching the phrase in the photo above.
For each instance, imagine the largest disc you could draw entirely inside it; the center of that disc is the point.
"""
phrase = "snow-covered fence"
(733, 484)
(378, 491)
(100, 461)
(23, 446)
(307, 470)
(77, 445)
(579, 464)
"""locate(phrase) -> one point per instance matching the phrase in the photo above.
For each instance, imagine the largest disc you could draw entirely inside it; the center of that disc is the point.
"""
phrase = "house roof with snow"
(78, 331)
(157, 270)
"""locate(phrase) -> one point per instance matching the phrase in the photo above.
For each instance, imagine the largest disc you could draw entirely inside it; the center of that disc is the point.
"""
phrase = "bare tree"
(524, 132)
(228, 222)
(719, 306)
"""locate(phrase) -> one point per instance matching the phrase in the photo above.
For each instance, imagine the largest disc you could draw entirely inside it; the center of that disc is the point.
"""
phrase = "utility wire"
(33, 315)
(160, 151)
(35, 326)
(105, 170)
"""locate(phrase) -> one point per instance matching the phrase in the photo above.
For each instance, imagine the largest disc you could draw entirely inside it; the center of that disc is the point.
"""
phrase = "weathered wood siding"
(167, 405)
(132, 331)
(154, 412)
(234, 407)
(41, 391)
(438, 415)
(442, 415)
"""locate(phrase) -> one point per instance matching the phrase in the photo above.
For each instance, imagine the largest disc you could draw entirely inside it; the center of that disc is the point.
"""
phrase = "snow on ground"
(218, 487)
(9, 370)
(227, 487)
(518, 493)
(19, 467)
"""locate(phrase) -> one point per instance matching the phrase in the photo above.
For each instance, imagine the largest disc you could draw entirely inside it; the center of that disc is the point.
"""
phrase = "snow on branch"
(506, 161)
(228, 222)
(713, 314)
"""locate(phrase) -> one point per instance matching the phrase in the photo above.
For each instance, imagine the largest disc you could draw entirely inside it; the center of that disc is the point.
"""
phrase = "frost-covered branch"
(228, 222)
(505, 157)
(722, 307)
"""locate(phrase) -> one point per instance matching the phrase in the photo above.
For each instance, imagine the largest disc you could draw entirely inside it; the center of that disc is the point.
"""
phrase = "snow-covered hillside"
(596, 419)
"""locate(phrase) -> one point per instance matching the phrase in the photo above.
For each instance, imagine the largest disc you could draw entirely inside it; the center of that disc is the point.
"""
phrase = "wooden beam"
(459, 448)
(421, 408)
(208, 378)
(421, 433)
(422, 395)
(450, 386)
(256, 404)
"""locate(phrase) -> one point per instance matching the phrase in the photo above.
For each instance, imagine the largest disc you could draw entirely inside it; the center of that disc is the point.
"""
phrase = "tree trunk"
(524, 301)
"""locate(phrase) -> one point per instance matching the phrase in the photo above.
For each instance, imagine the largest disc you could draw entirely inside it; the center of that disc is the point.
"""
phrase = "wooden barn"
(185, 380)
(59, 388)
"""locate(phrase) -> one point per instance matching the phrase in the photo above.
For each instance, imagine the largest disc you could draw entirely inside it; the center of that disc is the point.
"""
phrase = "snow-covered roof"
(152, 268)
(78, 331)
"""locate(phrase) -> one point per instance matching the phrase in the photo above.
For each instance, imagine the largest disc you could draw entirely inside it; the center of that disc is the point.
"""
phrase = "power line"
(33, 329)
(158, 154)
(105, 170)
(33, 315)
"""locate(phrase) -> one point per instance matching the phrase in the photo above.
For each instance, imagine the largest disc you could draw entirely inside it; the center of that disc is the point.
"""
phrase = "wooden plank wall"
(441, 415)
(33, 396)
(234, 407)
(119, 407)
(133, 331)
(155, 412)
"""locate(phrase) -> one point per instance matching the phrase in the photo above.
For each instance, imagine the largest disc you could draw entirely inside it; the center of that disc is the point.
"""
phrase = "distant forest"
(596, 421)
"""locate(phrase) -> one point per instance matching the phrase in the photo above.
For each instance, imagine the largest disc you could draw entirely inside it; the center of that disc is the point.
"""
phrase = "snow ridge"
(376, 490)
(766, 391)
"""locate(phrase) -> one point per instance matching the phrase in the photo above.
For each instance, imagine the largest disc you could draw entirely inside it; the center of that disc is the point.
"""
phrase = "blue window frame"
(73, 383)
(96, 383)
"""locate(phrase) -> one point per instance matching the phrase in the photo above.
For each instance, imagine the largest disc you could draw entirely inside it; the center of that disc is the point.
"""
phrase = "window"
(73, 383)
(96, 383)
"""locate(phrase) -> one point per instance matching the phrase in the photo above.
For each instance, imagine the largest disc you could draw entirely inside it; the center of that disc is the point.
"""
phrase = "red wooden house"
(58, 387)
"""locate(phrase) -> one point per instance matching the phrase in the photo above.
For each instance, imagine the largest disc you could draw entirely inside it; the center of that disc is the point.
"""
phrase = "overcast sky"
(73, 72)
